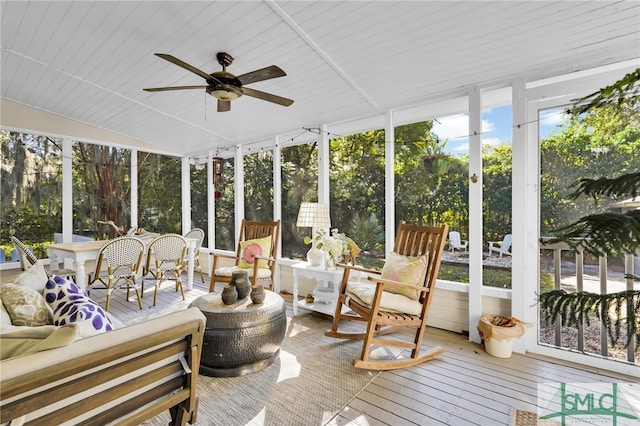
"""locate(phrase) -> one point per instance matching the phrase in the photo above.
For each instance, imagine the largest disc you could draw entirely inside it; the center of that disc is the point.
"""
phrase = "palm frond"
(627, 185)
(573, 309)
(604, 234)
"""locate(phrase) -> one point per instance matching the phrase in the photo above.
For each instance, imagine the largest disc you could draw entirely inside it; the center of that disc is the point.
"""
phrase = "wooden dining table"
(80, 252)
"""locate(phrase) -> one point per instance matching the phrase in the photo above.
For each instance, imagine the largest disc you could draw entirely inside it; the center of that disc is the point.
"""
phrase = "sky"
(496, 127)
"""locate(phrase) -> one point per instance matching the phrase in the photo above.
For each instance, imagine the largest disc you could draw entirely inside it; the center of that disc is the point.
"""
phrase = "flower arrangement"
(335, 246)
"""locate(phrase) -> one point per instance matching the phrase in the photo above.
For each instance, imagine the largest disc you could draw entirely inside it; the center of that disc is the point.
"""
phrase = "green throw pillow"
(405, 269)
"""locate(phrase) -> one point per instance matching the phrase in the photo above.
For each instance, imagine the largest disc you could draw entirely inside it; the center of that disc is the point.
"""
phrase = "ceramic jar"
(241, 280)
(257, 294)
(229, 295)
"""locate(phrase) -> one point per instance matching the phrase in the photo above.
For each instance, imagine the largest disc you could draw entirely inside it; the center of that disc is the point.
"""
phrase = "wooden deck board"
(464, 386)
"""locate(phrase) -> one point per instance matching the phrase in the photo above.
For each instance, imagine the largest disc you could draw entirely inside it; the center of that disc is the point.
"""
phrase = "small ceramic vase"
(229, 295)
(315, 256)
(241, 280)
(257, 294)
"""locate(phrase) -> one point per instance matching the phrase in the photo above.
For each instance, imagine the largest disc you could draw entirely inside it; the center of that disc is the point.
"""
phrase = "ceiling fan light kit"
(225, 86)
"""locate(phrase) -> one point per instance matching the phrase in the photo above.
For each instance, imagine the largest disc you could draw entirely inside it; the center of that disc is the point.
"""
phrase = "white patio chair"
(456, 243)
(501, 247)
(199, 234)
(118, 262)
(165, 258)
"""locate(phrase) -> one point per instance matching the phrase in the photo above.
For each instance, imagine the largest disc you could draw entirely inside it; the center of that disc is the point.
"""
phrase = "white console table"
(326, 291)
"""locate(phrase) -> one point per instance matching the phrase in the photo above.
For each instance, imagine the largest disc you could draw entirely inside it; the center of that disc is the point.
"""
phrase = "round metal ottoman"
(243, 337)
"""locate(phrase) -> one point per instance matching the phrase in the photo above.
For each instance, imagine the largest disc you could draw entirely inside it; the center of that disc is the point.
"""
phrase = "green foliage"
(603, 124)
(258, 186)
(160, 200)
(356, 179)
(102, 183)
(623, 92)
(573, 310)
(299, 183)
(224, 209)
(497, 195)
(604, 234)
(367, 232)
(608, 187)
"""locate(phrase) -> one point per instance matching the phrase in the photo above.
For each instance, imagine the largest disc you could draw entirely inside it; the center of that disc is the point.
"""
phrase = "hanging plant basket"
(436, 164)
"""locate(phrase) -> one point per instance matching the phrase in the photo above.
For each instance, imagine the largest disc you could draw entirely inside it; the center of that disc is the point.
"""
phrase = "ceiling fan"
(225, 86)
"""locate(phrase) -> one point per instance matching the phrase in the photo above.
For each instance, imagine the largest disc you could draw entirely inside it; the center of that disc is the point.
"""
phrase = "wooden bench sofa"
(122, 377)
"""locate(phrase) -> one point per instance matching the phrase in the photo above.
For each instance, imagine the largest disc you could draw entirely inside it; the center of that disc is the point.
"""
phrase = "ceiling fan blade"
(266, 96)
(162, 89)
(224, 106)
(261, 74)
(185, 65)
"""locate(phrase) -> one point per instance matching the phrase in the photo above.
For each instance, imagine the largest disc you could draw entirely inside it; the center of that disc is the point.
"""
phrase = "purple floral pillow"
(71, 304)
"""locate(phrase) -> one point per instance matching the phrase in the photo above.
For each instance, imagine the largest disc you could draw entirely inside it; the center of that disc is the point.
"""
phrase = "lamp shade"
(314, 215)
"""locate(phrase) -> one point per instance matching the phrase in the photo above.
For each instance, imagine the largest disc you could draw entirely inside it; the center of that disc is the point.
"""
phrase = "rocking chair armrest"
(268, 259)
(225, 255)
(359, 269)
(384, 281)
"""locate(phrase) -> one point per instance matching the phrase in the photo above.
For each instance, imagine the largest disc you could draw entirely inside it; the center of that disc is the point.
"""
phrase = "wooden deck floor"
(464, 386)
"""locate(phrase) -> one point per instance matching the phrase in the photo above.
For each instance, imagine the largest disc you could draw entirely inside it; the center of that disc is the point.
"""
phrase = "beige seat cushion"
(226, 271)
(363, 292)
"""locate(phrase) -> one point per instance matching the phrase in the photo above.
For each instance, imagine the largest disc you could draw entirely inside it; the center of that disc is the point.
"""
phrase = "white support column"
(238, 175)
(134, 189)
(211, 206)
(277, 204)
(475, 213)
(323, 166)
(389, 185)
(526, 210)
(186, 195)
(277, 180)
(67, 191)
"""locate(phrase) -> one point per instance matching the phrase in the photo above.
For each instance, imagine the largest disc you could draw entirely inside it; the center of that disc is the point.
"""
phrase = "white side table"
(326, 290)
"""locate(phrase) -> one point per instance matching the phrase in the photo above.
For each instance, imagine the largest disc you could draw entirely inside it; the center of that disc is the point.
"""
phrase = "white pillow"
(35, 277)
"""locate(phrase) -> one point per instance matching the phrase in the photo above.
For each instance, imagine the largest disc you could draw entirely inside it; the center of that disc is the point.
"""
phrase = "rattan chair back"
(26, 257)
(197, 233)
(119, 260)
(166, 259)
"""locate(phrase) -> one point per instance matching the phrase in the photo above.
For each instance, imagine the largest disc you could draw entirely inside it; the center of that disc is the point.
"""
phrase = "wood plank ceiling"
(89, 61)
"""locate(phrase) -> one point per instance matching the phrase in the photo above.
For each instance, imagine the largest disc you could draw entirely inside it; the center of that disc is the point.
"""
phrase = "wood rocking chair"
(387, 301)
(256, 254)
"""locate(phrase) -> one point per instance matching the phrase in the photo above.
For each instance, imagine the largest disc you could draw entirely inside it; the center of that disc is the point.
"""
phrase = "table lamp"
(315, 216)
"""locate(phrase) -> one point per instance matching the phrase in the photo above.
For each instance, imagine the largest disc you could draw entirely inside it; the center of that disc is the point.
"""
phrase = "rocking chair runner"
(256, 254)
(387, 305)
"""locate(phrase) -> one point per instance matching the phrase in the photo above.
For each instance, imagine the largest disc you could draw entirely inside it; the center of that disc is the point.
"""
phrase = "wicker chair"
(27, 258)
(166, 259)
(398, 296)
(118, 261)
(199, 234)
(258, 261)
